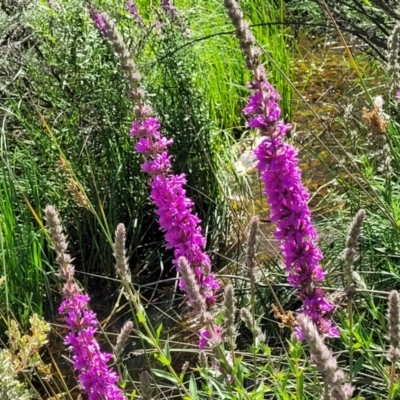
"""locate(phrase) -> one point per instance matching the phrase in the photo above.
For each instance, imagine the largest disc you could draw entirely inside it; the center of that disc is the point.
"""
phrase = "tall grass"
(222, 61)
(24, 268)
(77, 128)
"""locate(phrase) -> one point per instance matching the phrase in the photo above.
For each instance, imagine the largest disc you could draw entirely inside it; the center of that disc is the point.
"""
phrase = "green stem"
(392, 379)
(134, 301)
(253, 316)
(299, 373)
(351, 352)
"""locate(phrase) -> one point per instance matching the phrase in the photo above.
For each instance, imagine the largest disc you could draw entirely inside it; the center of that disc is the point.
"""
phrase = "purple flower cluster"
(132, 8)
(169, 9)
(98, 20)
(97, 380)
(174, 209)
(278, 166)
(206, 336)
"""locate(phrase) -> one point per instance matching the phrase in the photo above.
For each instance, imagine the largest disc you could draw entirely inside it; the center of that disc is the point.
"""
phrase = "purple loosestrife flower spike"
(287, 197)
(97, 380)
(279, 170)
(211, 336)
(174, 209)
(98, 20)
(243, 33)
(169, 9)
(60, 244)
(132, 8)
(180, 225)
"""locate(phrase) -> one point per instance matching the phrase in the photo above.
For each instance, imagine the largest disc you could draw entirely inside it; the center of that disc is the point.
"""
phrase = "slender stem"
(392, 379)
(299, 373)
(351, 353)
(239, 383)
(134, 300)
(253, 316)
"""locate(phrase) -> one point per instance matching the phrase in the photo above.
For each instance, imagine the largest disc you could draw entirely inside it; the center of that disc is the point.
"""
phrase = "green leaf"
(158, 331)
(163, 360)
(222, 394)
(167, 352)
(141, 314)
(358, 365)
(395, 389)
(259, 394)
(193, 386)
(144, 337)
(165, 375)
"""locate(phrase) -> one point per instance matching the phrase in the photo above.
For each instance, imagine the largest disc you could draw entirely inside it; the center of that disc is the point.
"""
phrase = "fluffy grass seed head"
(60, 244)
(393, 317)
(192, 289)
(242, 29)
(326, 364)
(230, 312)
(123, 337)
(393, 47)
(203, 359)
(247, 318)
(352, 237)
(121, 260)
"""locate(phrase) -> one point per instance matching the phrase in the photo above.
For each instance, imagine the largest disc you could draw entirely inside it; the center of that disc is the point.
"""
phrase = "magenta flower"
(278, 166)
(97, 380)
(206, 336)
(169, 9)
(98, 20)
(174, 209)
(132, 8)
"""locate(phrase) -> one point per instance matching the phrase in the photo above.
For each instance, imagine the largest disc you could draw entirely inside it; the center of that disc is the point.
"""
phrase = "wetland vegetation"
(199, 199)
